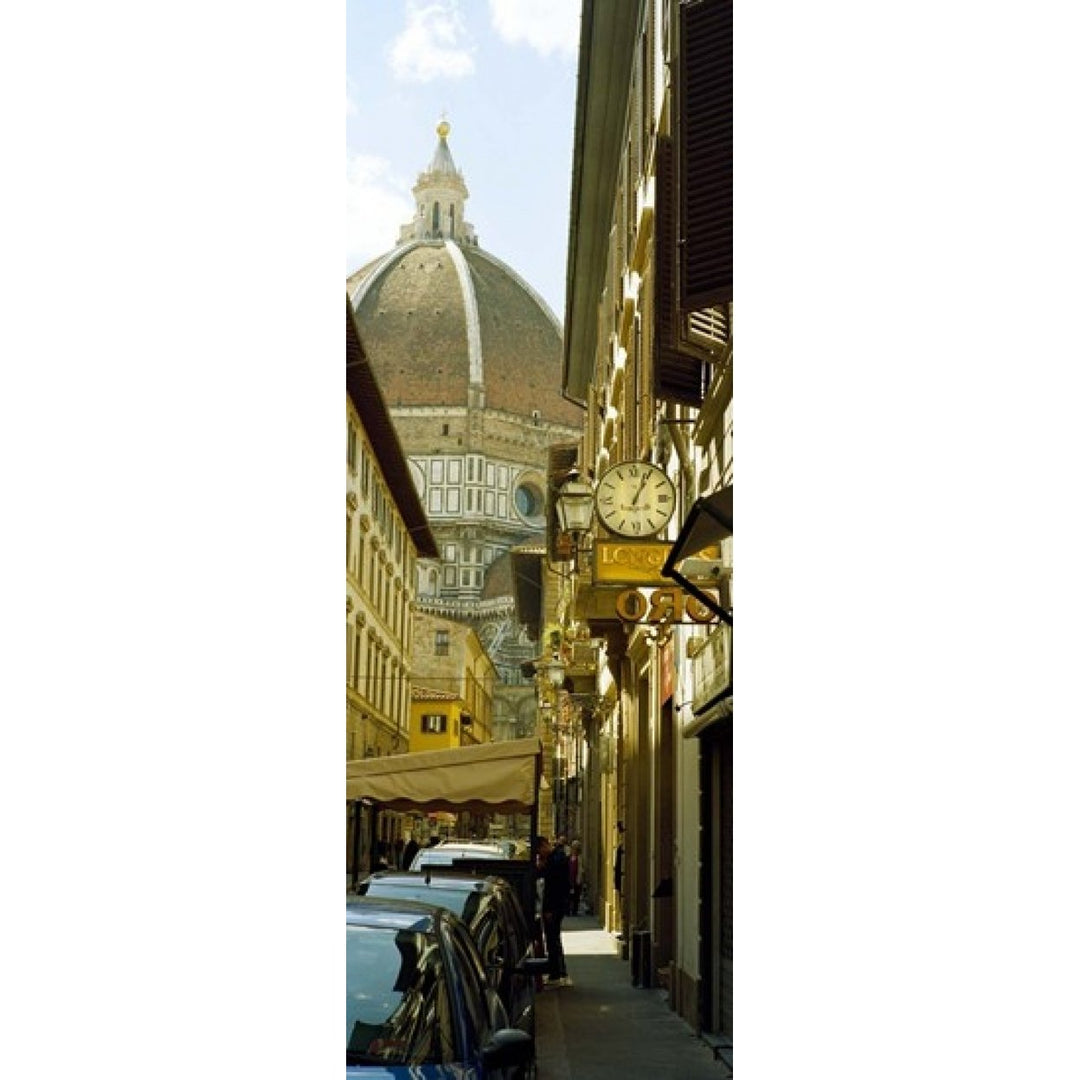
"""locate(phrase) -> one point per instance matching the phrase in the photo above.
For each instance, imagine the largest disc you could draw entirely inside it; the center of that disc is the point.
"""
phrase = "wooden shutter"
(705, 153)
(678, 369)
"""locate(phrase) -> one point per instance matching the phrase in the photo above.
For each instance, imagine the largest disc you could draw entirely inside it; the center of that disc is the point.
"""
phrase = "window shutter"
(705, 153)
(679, 371)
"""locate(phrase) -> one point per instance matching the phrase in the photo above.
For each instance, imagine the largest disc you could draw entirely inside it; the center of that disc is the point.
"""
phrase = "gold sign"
(661, 605)
(630, 563)
(641, 605)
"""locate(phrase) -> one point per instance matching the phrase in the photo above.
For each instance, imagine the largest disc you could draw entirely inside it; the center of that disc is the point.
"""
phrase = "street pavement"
(604, 1028)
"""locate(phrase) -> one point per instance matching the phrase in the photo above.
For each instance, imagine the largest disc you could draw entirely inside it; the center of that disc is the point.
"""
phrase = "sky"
(504, 73)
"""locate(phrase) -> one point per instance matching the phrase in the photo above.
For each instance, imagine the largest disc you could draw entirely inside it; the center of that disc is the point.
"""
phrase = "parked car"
(417, 1004)
(513, 849)
(445, 852)
(491, 910)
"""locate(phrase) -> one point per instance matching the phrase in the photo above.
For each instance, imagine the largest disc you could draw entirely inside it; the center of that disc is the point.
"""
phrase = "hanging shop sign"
(661, 606)
(599, 605)
(630, 562)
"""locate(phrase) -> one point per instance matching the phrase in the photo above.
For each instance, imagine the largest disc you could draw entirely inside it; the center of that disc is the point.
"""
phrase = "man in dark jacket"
(553, 868)
(407, 856)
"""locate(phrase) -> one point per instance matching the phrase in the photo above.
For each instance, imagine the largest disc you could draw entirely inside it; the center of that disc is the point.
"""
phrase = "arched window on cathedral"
(435, 220)
(451, 221)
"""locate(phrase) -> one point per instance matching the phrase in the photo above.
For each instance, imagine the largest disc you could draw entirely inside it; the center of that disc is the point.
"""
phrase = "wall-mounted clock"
(635, 499)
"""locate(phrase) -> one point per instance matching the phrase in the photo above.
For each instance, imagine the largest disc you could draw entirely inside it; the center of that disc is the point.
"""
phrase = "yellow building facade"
(649, 354)
(385, 533)
(450, 660)
(435, 720)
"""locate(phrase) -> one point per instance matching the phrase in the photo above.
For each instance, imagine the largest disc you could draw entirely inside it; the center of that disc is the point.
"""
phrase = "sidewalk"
(603, 1028)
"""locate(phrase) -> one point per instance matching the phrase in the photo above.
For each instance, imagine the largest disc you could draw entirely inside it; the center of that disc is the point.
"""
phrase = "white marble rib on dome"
(472, 313)
(361, 289)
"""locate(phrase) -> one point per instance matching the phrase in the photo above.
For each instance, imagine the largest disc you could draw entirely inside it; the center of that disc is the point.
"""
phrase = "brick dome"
(468, 359)
(447, 324)
(439, 316)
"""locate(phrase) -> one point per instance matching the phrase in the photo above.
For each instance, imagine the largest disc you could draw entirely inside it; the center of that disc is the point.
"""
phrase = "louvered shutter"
(678, 372)
(705, 153)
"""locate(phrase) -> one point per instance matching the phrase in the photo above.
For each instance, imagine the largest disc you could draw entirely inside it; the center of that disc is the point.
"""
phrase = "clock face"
(634, 499)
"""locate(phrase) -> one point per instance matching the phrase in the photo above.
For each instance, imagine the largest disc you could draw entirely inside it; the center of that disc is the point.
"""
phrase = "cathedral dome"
(446, 324)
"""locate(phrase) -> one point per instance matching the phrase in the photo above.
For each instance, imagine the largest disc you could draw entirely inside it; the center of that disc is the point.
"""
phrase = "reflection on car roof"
(439, 877)
(393, 914)
(464, 846)
(454, 850)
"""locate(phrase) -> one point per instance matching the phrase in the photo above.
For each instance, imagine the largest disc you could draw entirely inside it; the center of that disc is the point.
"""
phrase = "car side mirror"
(508, 1048)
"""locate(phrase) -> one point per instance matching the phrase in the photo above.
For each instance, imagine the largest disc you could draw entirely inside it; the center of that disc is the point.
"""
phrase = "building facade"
(386, 532)
(649, 357)
(470, 360)
(450, 658)
(453, 705)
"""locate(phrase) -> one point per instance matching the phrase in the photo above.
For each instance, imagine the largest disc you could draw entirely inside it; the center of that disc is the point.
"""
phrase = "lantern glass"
(574, 506)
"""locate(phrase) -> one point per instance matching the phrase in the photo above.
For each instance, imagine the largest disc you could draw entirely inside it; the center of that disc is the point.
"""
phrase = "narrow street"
(539, 539)
(604, 1028)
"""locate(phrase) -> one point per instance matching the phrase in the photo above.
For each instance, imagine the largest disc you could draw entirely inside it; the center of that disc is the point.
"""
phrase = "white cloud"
(548, 26)
(377, 205)
(434, 43)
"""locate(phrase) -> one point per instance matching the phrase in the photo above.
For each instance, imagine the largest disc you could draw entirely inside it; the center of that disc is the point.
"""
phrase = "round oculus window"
(529, 501)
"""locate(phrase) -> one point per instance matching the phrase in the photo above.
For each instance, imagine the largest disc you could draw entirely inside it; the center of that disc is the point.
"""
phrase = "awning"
(709, 521)
(499, 776)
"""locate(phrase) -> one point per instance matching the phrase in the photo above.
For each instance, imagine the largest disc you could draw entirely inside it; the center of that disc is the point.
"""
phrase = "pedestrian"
(620, 864)
(407, 856)
(576, 878)
(382, 855)
(553, 867)
(620, 856)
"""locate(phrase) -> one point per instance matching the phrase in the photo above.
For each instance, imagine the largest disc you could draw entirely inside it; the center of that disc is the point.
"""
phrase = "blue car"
(417, 1001)
(489, 907)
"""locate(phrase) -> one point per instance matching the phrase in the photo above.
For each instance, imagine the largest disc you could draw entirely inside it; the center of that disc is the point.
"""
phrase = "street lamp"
(574, 505)
(574, 510)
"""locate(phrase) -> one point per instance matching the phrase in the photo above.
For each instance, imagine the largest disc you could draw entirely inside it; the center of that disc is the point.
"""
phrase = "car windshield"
(396, 1006)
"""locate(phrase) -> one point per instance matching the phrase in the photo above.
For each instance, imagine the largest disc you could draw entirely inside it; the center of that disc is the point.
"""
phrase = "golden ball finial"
(443, 129)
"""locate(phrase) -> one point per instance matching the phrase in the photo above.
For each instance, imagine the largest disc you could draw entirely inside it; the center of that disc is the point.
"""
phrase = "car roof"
(472, 845)
(451, 851)
(438, 877)
(386, 912)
